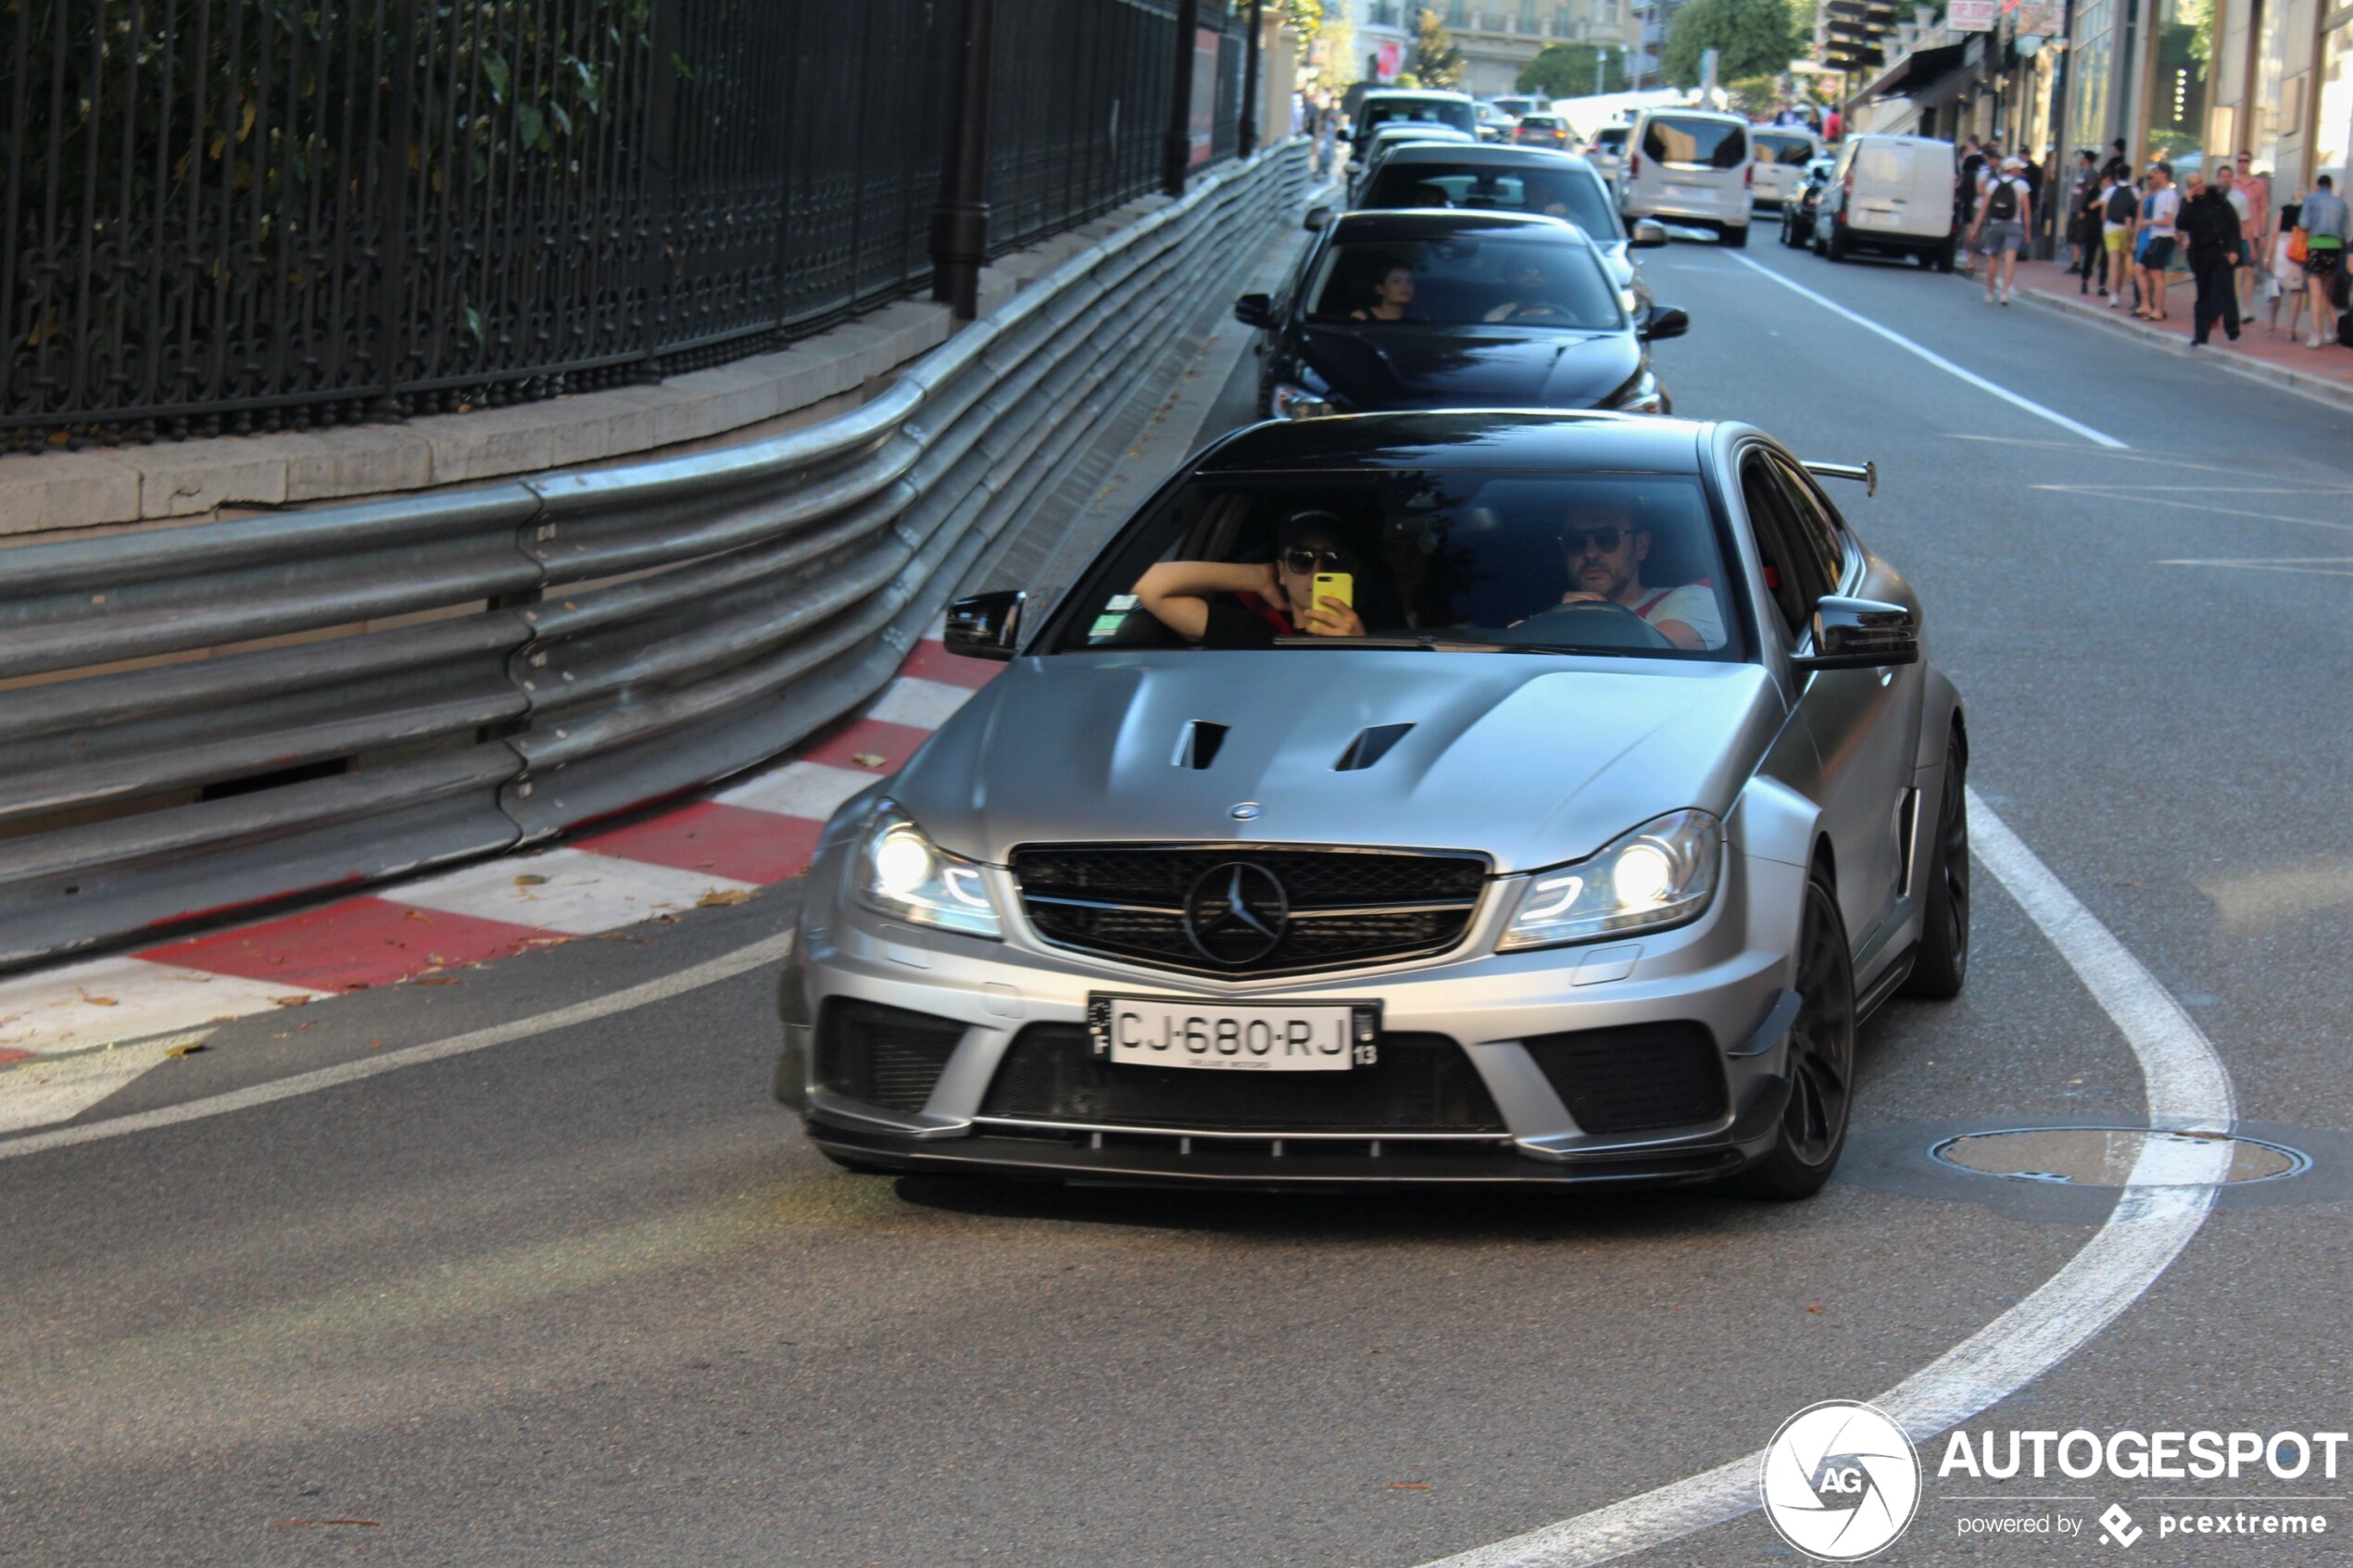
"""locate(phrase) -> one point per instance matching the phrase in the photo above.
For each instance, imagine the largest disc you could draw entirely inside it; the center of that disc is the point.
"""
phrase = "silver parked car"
(1418, 798)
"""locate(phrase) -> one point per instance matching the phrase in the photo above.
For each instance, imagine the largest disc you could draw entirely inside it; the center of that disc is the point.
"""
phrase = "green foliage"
(1565, 71)
(1751, 37)
(1436, 62)
(1337, 65)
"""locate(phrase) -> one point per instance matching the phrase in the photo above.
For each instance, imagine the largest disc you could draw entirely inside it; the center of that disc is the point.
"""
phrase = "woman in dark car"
(1390, 296)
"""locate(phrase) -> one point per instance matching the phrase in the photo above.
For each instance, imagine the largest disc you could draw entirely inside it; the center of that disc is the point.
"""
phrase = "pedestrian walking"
(2286, 273)
(2159, 210)
(2253, 191)
(2210, 227)
(2083, 223)
(2322, 223)
(2120, 212)
(1965, 199)
(2003, 216)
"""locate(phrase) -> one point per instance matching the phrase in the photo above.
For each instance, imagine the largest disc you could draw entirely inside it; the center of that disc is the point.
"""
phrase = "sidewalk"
(2325, 373)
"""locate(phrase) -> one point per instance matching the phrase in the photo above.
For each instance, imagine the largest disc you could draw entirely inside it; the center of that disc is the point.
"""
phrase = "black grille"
(1345, 907)
(1636, 1079)
(884, 1056)
(1420, 1083)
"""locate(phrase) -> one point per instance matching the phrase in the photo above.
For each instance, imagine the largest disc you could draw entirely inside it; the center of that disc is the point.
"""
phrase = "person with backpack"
(2117, 209)
(2002, 218)
(2322, 221)
(2158, 234)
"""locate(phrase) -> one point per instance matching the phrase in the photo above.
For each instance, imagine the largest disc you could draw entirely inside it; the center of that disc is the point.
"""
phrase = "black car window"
(1572, 192)
(1819, 532)
(1693, 143)
(1468, 560)
(1443, 111)
(1787, 574)
(1550, 280)
(1782, 146)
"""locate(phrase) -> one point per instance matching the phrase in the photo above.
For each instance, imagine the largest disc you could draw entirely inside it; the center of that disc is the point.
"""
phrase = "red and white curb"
(73, 1034)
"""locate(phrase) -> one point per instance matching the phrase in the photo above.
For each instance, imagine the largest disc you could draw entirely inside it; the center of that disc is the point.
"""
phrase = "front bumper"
(1537, 1030)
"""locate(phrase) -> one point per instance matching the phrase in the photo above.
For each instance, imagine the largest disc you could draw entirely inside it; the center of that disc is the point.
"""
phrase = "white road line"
(724, 967)
(568, 890)
(48, 1089)
(1900, 341)
(2165, 1201)
(926, 705)
(121, 998)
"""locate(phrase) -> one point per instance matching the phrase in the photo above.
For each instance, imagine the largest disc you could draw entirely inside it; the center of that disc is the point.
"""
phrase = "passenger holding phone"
(1306, 590)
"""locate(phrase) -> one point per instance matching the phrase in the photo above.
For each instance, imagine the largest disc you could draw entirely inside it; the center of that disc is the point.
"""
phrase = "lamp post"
(1176, 148)
(960, 218)
(1246, 137)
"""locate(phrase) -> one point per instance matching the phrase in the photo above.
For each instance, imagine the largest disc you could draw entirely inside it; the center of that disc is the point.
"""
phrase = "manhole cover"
(2103, 1157)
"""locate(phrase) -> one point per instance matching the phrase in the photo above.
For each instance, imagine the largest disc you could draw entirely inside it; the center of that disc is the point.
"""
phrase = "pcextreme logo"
(1841, 1480)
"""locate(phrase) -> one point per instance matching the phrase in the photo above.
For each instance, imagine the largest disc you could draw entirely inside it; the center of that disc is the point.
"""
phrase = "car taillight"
(1748, 175)
(1633, 166)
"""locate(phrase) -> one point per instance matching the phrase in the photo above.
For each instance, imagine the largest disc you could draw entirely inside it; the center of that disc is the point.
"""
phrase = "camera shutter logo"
(1841, 1480)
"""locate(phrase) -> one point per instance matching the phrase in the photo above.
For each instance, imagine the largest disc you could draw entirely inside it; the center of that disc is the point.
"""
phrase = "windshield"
(1780, 147)
(1575, 194)
(1612, 138)
(1459, 561)
(1693, 143)
(1550, 280)
(1441, 111)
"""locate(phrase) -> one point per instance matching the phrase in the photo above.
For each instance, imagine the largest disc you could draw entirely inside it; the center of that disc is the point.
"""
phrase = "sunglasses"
(1605, 539)
(1304, 562)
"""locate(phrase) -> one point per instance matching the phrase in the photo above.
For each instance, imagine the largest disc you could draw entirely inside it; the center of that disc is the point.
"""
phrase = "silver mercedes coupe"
(1419, 798)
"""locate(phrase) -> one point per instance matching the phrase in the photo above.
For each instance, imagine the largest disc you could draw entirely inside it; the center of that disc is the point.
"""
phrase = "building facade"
(1497, 37)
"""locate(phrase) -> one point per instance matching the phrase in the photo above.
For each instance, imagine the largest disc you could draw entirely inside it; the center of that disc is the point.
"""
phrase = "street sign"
(2042, 20)
(1970, 16)
(1389, 60)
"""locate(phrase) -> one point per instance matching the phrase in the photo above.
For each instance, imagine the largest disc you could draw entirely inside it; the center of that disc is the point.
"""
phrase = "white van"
(1782, 153)
(1689, 166)
(1893, 194)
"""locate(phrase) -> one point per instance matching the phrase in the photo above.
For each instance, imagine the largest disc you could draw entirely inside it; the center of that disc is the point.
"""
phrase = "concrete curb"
(2319, 388)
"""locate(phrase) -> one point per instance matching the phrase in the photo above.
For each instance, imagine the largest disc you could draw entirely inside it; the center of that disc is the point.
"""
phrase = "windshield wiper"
(1428, 642)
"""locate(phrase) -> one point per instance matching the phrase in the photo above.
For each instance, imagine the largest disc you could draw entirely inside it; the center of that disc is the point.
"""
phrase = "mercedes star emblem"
(1235, 913)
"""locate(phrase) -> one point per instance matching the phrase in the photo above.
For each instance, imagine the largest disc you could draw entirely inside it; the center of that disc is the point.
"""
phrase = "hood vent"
(1369, 746)
(1197, 747)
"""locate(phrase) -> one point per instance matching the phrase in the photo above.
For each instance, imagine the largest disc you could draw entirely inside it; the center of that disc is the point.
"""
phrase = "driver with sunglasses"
(1248, 604)
(1606, 549)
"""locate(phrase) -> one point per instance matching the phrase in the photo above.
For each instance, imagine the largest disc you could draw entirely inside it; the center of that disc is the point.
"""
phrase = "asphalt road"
(589, 1298)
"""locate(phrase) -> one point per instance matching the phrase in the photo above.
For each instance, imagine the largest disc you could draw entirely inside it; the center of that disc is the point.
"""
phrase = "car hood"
(1470, 366)
(1528, 758)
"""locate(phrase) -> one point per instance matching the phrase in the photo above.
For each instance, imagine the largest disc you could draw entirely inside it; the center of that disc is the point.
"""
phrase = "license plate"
(1687, 189)
(1263, 1037)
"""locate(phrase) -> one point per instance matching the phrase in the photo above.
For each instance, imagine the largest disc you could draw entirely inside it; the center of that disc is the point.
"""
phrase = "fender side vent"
(1197, 747)
(1369, 746)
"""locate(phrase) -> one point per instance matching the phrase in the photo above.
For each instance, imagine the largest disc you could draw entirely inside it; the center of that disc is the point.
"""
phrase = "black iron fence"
(232, 215)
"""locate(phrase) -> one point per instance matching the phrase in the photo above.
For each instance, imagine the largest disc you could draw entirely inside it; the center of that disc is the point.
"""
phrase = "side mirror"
(1664, 321)
(1318, 216)
(986, 625)
(1255, 310)
(1648, 235)
(1861, 634)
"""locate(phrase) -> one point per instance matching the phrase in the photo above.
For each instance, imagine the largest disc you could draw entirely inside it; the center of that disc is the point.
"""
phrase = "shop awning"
(1916, 71)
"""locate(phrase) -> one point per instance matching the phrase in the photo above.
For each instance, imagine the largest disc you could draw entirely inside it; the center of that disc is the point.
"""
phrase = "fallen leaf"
(95, 1001)
(1406, 1486)
(724, 896)
(416, 914)
(289, 1524)
(531, 880)
(376, 1045)
(190, 1048)
(291, 1001)
(433, 980)
(868, 759)
(1817, 1310)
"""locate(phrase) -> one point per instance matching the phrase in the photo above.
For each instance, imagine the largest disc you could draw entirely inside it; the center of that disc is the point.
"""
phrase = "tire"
(1837, 250)
(1817, 246)
(1812, 1131)
(1940, 965)
(1735, 235)
(1944, 258)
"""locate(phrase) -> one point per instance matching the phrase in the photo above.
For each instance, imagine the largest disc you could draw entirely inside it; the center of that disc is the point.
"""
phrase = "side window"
(1819, 532)
(1768, 515)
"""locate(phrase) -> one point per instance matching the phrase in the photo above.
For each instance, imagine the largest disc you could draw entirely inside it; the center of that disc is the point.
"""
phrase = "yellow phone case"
(1341, 585)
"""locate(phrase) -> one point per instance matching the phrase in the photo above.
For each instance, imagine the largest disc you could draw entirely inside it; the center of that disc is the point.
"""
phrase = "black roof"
(1523, 439)
(1388, 224)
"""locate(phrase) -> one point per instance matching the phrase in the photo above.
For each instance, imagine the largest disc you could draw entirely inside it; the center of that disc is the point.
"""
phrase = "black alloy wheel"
(1941, 965)
(1821, 1059)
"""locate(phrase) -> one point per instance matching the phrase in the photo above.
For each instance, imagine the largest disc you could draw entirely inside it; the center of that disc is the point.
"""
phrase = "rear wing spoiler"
(1868, 474)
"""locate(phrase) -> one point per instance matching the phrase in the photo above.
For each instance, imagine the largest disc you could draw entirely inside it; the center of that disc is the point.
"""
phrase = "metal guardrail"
(329, 697)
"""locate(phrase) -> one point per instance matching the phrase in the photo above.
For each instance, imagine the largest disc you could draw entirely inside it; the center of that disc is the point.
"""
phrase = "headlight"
(1290, 402)
(1661, 873)
(1641, 397)
(903, 873)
